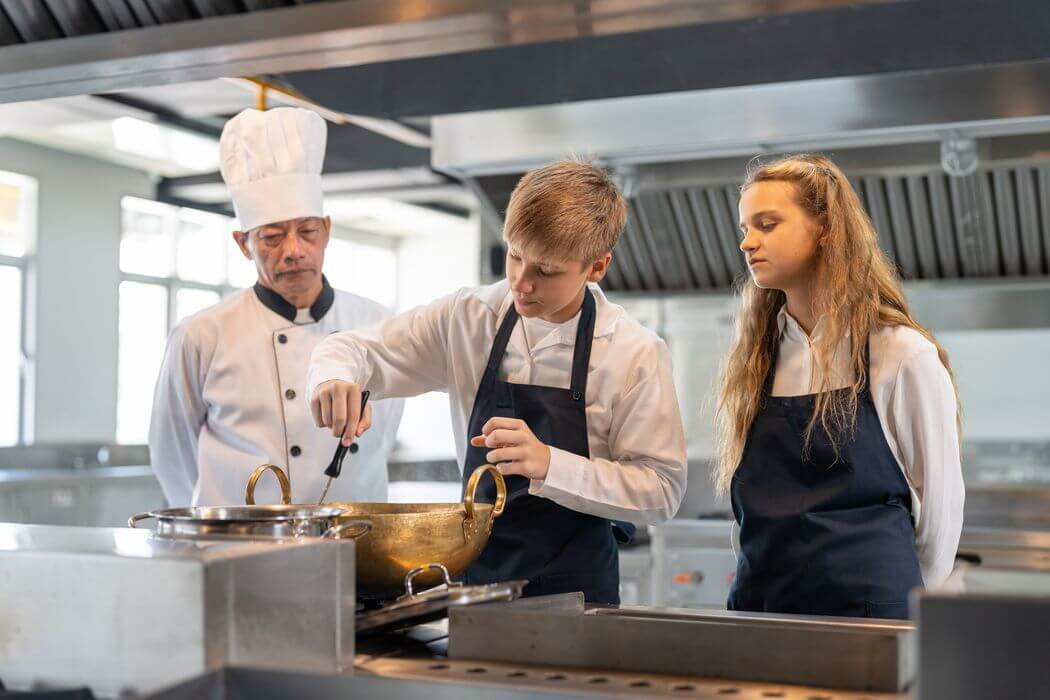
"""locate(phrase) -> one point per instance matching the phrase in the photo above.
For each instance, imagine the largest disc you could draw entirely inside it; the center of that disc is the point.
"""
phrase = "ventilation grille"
(994, 223)
(26, 21)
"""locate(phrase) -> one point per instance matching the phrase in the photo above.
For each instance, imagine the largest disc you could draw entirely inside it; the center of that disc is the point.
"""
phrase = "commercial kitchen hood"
(952, 165)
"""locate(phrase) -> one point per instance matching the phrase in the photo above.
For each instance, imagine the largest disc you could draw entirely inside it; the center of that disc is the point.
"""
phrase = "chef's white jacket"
(637, 468)
(229, 398)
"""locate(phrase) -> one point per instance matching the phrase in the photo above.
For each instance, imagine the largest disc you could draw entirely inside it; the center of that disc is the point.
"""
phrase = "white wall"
(1004, 382)
(1003, 375)
(77, 268)
(431, 266)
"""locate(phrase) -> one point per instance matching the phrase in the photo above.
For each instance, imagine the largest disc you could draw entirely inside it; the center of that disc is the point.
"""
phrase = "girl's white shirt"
(916, 406)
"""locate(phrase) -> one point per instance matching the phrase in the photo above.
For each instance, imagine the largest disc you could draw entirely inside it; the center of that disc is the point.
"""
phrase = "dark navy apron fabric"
(820, 536)
(558, 550)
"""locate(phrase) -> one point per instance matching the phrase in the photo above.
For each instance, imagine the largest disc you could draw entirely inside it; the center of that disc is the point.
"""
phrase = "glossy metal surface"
(249, 521)
(409, 535)
(987, 641)
(844, 653)
(417, 607)
(1026, 550)
(743, 121)
(324, 35)
(125, 612)
(282, 481)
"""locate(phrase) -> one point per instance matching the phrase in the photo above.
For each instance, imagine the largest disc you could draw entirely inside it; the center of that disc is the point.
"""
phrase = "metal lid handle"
(338, 531)
(411, 575)
(137, 517)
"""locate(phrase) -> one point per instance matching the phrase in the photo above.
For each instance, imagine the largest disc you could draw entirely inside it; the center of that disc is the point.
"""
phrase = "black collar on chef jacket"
(279, 305)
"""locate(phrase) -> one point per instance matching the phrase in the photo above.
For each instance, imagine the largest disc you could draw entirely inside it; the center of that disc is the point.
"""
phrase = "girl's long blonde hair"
(857, 290)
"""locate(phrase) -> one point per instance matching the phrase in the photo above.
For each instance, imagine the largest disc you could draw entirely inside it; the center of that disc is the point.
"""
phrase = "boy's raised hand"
(336, 404)
(514, 449)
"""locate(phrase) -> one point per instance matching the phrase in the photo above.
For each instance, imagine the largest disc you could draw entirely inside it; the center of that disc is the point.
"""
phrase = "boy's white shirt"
(637, 469)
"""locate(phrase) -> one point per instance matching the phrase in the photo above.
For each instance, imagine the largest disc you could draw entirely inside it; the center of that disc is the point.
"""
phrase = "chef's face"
(780, 239)
(288, 256)
(551, 289)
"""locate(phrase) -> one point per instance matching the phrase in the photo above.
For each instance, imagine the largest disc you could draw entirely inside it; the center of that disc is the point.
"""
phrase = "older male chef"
(228, 396)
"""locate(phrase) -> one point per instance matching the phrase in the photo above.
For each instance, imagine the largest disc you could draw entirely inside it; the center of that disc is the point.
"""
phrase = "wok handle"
(411, 576)
(472, 487)
(137, 517)
(282, 479)
(336, 531)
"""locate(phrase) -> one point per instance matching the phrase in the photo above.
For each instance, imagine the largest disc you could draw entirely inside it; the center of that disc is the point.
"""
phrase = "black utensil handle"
(335, 467)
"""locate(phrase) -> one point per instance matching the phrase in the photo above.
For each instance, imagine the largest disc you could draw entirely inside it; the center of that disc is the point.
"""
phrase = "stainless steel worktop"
(125, 612)
(420, 655)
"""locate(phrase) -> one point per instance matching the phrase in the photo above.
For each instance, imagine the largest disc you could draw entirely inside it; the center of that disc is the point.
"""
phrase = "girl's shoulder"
(894, 346)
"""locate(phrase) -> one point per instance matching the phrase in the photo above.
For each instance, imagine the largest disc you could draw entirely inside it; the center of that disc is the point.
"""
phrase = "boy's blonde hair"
(568, 210)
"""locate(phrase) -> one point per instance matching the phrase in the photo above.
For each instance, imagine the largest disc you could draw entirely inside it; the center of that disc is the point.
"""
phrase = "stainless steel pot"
(254, 521)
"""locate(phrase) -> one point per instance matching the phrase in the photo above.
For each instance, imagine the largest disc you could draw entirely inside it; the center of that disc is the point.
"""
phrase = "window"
(174, 262)
(17, 233)
(366, 270)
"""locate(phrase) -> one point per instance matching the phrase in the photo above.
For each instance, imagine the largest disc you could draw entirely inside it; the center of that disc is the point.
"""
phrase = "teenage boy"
(575, 403)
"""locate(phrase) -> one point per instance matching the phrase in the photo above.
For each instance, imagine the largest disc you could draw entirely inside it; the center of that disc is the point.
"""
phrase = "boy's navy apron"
(820, 536)
(556, 549)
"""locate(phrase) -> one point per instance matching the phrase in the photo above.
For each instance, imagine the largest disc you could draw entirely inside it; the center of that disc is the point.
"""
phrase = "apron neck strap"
(771, 374)
(581, 356)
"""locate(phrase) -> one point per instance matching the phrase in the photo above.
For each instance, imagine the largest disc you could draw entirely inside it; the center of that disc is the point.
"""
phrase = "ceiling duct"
(682, 232)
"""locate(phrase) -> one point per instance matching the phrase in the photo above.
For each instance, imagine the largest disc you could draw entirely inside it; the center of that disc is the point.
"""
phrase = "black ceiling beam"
(351, 148)
(162, 195)
(852, 41)
(164, 115)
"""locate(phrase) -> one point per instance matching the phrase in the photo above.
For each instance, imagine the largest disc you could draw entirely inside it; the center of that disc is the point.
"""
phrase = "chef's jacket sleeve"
(179, 412)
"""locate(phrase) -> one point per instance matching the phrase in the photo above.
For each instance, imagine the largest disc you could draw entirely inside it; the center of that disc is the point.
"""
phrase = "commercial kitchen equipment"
(405, 536)
(125, 611)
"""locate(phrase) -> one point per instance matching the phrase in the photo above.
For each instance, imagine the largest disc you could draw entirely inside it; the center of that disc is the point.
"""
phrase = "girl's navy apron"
(820, 536)
(556, 549)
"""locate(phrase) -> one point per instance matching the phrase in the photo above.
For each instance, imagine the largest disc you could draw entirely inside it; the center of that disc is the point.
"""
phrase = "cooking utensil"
(405, 536)
(336, 465)
(254, 521)
(416, 608)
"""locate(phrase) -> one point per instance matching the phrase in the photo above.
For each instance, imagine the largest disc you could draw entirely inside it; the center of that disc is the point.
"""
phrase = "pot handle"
(411, 576)
(336, 531)
(137, 517)
(282, 480)
(472, 487)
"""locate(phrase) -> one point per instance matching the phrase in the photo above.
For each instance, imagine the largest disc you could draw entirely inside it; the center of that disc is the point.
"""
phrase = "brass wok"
(405, 536)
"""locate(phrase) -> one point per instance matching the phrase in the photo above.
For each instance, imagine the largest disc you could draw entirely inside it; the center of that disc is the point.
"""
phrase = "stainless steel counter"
(123, 611)
(418, 656)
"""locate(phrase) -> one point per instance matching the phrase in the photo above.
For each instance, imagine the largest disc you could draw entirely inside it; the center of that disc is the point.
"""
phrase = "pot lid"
(228, 514)
(432, 604)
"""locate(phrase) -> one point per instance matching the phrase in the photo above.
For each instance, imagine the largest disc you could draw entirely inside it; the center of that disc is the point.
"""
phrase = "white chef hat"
(271, 161)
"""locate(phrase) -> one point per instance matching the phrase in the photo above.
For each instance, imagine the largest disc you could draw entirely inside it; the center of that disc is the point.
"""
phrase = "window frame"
(171, 282)
(25, 361)
(26, 265)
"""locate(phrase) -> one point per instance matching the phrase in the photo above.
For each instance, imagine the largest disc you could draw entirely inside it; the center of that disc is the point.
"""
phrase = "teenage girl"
(838, 422)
